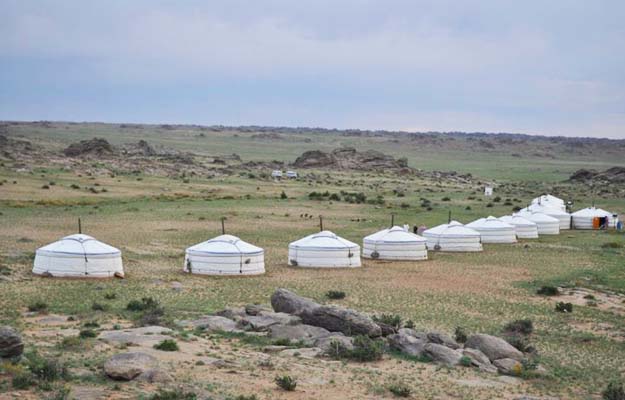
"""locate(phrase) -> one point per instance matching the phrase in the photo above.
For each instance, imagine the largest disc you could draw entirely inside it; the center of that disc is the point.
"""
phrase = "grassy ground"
(152, 220)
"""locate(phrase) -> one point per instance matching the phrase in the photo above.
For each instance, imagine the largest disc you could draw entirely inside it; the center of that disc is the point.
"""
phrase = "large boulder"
(11, 344)
(407, 344)
(508, 366)
(479, 360)
(338, 319)
(283, 300)
(495, 348)
(442, 354)
(128, 366)
(295, 333)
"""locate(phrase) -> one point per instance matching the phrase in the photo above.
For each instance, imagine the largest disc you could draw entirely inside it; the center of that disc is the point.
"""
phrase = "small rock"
(274, 349)
(232, 313)
(311, 352)
(11, 344)
(255, 309)
(155, 376)
(128, 366)
(339, 319)
(177, 286)
(411, 332)
(213, 323)
(145, 334)
(262, 322)
(330, 343)
(508, 366)
(441, 338)
(442, 354)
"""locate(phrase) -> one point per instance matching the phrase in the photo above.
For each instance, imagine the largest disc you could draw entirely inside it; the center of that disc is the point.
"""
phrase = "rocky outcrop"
(11, 344)
(212, 323)
(147, 334)
(609, 176)
(128, 366)
(334, 342)
(348, 158)
(95, 146)
(407, 344)
(263, 321)
(493, 347)
(296, 333)
(339, 319)
(508, 366)
(442, 354)
(441, 338)
(283, 300)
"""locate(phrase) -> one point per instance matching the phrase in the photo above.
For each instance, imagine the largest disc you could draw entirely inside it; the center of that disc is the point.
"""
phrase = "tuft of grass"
(400, 390)
(286, 382)
(175, 394)
(564, 307)
(87, 333)
(614, 391)
(393, 320)
(98, 307)
(167, 345)
(460, 335)
(335, 294)
(23, 380)
(548, 291)
(520, 327)
(612, 245)
(38, 306)
(364, 349)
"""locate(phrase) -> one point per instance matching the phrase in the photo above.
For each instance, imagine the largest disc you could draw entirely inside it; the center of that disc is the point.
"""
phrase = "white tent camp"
(550, 201)
(225, 255)
(324, 250)
(546, 225)
(78, 256)
(493, 230)
(453, 237)
(562, 216)
(395, 244)
(524, 228)
(583, 219)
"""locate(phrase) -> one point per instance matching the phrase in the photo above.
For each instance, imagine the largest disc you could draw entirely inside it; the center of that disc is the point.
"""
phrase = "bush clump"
(87, 333)
(460, 335)
(175, 394)
(286, 382)
(400, 390)
(335, 294)
(564, 307)
(519, 327)
(364, 349)
(393, 320)
(548, 291)
(612, 245)
(614, 391)
(167, 345)
(38, 306)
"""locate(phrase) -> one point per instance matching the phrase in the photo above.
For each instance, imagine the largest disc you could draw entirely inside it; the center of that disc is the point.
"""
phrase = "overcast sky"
(552, 67)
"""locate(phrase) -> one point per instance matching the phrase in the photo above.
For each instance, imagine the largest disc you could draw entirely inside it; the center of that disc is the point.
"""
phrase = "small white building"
(395, 243)
(545, 224)
(78, 256)
(585, 218)
(453, 237)
(488, 191)
(324, 250)
(276, 174)
(291, 174)
(493, 230)
(524, 228)
(225, 255)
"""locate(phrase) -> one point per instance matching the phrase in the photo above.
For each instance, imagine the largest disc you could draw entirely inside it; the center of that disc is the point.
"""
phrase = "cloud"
(505, 65)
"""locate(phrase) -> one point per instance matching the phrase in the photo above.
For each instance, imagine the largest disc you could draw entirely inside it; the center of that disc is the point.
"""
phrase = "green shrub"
(612, 245)
(465, 361)
(393, 320)
(445, 199)
(167, 345)
(409, 324)
(87, 333)
(548, 291)
(400, 390)
(519, 326)
(175, 394)
(22, 381)
(38, 306)
(460, 334)
(98, 307)
(91, 324)
(365, 349)
(335, 294)
(110, 296)
(283, 195)
(286, 382)
(244, 397)
(614, 391)
(564, 307)
(146, 303)
(46, 369)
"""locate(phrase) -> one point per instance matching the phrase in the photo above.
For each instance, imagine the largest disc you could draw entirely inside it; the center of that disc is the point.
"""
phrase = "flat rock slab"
(212, 323)
(144, 335)
(407, 344)
(87, 393)
(339, 319)
(295, 333)
(508, 366)
(442, 354)
(332, 343)
(128, 366)
(262, 322)
(309, 353)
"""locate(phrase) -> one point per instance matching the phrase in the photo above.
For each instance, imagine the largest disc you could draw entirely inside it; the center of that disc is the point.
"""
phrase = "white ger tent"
(225, 255)
(550, 201)
(546, 225)
(453, 237)
(78, 256)
(562, 216)
(324, 250)
(395, 244)
(524, 228)
(583, 219)
(493, 230)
